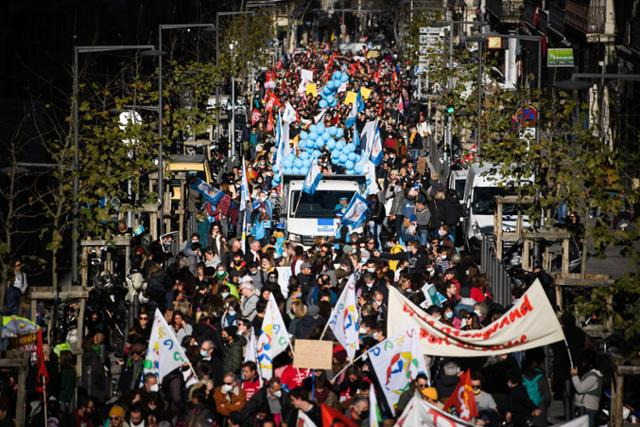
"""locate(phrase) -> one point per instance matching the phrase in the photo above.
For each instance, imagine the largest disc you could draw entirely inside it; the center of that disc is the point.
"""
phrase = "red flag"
(463, 399)
(333, 418)
(380, 106)
(255, 116)
(270, 122)
(400, 105)
(43, 375)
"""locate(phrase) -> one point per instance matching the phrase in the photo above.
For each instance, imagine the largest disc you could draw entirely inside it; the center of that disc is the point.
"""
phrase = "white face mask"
(376, 336)
(224, 295)
(448, 314)
(231, 312)
(277, 393)
(371, 270)
(442, 233)
(226, 388)
(362, 330)
(204, 354)
(154, 387)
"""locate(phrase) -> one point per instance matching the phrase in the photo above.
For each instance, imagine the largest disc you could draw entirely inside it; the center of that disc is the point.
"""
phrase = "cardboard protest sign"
(350, 98)
(313, 354)
(365, 92)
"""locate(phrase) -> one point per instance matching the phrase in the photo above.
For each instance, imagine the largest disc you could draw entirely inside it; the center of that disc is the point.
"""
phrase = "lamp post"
(77, 50)
(232, 132)
(161, 28)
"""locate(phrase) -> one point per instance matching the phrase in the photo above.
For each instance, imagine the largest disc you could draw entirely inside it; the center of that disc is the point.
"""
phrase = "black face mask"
(364, 414)
(237, 262)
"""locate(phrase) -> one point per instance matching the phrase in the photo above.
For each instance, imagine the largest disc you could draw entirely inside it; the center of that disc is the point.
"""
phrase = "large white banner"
(165, 352)
(397, 361)
(419, 412)
(530, 323)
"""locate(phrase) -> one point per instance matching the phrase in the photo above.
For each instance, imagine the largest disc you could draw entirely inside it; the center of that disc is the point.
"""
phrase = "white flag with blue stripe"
(357, 107)
(344, 321)
(245, 196)
(313, 178)
(356, 211)
(373, 142)
(369, 171)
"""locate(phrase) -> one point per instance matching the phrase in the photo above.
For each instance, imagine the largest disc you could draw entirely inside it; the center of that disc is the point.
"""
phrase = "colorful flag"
(463, 399)
(209, 193)
(290, 114)
(333, 418)
(165, 354)
(255, 116)
(400, 105)
(273, 338)
(419, 412)
(43, 375)
(357, 107)
(344, 321)
(313, 178)
(375, 417)
(397, 361)
(356, 211)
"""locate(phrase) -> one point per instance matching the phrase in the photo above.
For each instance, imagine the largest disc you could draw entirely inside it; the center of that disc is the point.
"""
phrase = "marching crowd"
(214, 292)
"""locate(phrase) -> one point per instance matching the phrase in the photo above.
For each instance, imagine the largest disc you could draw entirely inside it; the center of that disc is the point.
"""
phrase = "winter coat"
(226, 403)
(248, 307)
(588, 389)
(233, 355)
(259, 403)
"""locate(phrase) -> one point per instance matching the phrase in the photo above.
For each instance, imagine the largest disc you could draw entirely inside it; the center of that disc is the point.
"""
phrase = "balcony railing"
(587, 17)
(509, 11)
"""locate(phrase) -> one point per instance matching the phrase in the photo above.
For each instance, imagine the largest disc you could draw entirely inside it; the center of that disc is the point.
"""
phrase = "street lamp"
(77, 50)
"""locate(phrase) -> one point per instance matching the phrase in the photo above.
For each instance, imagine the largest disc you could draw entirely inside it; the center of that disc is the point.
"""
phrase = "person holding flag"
(357, 107)
(344, 319)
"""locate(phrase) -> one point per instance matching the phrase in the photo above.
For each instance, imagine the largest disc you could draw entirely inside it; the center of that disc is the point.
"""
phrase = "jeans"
(591, 413)
(415, 153)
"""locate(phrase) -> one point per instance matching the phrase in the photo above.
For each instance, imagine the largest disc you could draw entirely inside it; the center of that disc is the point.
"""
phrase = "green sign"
(560, 57)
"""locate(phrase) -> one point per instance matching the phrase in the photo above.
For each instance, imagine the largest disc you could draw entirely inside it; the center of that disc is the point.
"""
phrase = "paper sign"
(312, 89)
(365, 92)
(350, 98)
(312, 354)
(306, 75)
(373, 54)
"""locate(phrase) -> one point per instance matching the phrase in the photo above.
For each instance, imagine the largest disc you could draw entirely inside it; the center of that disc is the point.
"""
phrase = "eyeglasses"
(144, 317)
(423, 385)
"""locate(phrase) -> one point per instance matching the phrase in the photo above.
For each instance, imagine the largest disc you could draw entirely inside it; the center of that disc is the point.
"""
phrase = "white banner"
(273, 340)
(344, 320)
(530, 323)
(165, 353)
(397, 361)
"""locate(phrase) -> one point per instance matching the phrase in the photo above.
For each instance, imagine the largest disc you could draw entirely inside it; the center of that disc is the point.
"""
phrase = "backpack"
(532, 385)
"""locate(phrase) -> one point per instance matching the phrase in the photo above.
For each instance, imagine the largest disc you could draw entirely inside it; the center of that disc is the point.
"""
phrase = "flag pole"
(347, 366)
(44, 397)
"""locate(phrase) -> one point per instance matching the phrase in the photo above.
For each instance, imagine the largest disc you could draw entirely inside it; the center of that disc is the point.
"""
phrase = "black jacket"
(259, 403)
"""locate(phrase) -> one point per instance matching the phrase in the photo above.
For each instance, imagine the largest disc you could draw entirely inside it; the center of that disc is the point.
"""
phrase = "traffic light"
(450, 109)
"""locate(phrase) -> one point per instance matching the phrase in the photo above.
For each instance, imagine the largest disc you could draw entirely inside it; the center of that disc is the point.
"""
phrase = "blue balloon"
(298, 163)
(326, 90)
(313, 128)
(359, 169)
(337, 75)
(320, 127)
(307, 162)
(304, 135)
(312, 136)
(331, 144)
(276, 180)
(349, 164)
(302, 145)
(288, 162)
(334, 103)
(288, 171)
(297, 171)
(344, 78)
(352, 156)
(330, 99)
(349, 148)
(339, 133)
(357, 158)
(332, 131)
(320, 143)
(316, 153)
(343, 157)
(330, 85)
(340, 144)
(326, 137)
(323, 103)
(304, 155)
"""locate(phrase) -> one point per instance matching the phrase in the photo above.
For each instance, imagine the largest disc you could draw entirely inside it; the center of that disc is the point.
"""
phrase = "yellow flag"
(312, 89)
(365, 92)
(350, 98)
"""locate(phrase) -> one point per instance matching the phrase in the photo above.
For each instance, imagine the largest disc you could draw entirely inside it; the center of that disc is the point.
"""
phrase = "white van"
(481, 188)
(314, 215)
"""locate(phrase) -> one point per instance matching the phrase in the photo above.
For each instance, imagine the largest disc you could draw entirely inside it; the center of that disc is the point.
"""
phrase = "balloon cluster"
(329, 91)
(311, 146)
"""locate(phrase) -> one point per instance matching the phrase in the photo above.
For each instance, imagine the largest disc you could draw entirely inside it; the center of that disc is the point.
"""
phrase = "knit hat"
(116, 411)
(430, 393)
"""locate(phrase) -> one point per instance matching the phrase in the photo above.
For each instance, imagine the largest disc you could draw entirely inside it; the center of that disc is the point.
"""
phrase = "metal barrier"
(497, 275)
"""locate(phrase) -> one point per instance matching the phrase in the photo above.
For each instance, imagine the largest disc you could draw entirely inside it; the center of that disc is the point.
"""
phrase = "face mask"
(448, 314)
(226, 388)
(371, 270)
(442, 233)
(263, 199)
(476, 391)
(154, 387)
(224, 295)
(378, 303)
(220, 274)
(443, 256)
(362, 330)
(364, 414)
(277, 394)
(204, 353)
(430, 269)
(231, 311)
(369, 285)
(376, 336)
(437, 317)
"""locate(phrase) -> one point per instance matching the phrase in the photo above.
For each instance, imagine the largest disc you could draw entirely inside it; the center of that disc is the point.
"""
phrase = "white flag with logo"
(165, 353)
(313, 178)
(397, 361)
(304, 420)
(245, 196)
(273, 340)
(356, 211)
(344, 320)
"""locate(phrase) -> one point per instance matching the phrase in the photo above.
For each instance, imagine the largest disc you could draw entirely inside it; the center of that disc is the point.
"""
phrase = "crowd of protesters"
(213, 291)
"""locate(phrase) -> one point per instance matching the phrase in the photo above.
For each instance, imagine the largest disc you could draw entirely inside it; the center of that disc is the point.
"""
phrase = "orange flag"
(463, 399)
(43, 375)
(333, 418)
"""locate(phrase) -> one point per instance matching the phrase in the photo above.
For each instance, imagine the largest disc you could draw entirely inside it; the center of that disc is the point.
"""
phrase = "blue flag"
(313, 178)
(210, 193)
(356, 211)
(357, 107)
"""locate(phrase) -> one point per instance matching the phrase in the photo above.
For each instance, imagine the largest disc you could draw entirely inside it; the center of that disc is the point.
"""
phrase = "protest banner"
(397, 361)
(165, 353)
(419, 412)
(312, 354)
(530, 323)
(344, 321)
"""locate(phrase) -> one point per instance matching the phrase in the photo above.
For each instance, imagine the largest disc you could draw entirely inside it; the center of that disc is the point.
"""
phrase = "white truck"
(308, 216)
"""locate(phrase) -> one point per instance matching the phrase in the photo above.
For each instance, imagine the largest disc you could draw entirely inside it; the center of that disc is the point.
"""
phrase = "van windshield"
(322, 204)
(485, 204)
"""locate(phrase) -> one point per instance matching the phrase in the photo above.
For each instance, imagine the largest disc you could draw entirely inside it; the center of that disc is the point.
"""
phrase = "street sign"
(494, 42)
(423, 60)
(560, 57)
(424, 30)
(527, 117)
